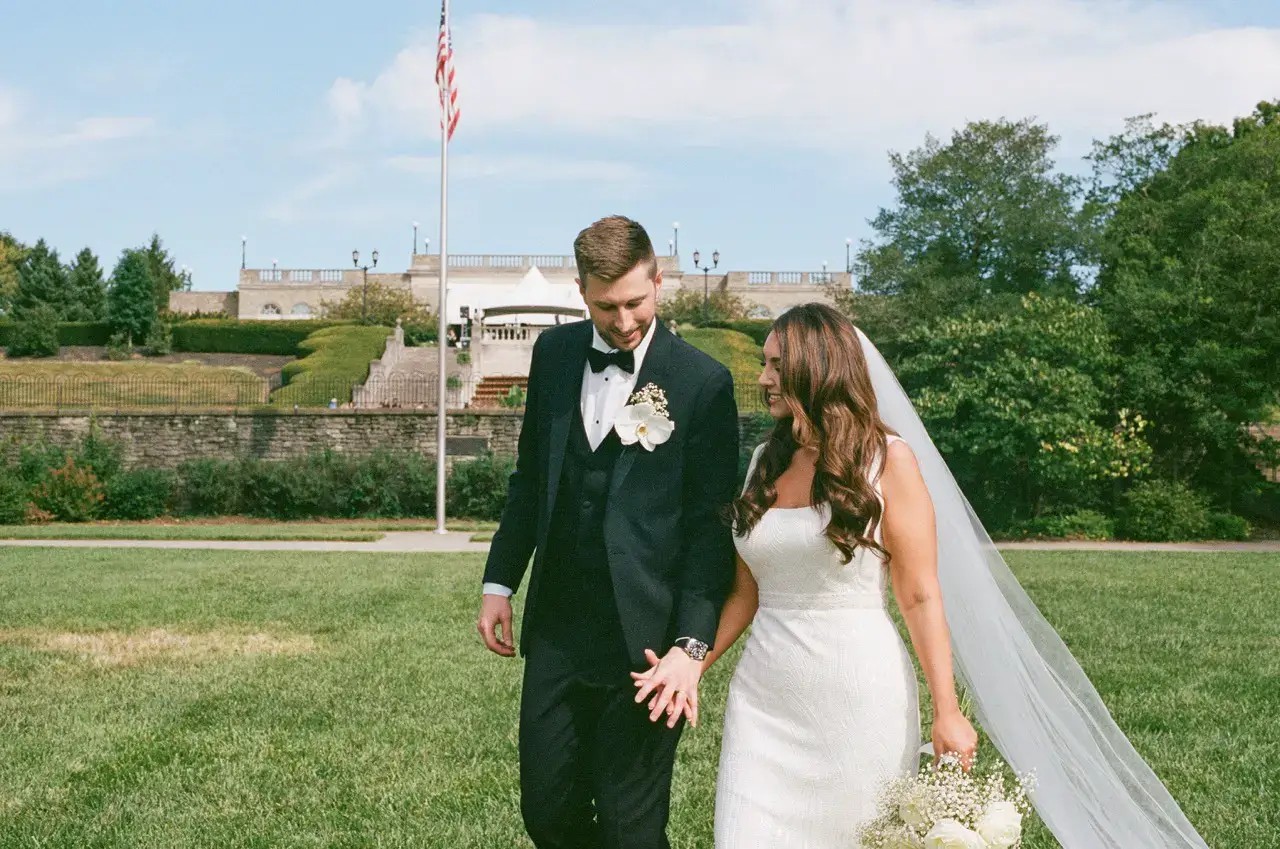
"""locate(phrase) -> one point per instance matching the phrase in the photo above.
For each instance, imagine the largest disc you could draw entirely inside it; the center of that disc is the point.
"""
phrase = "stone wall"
(205, 302)
(165, 439)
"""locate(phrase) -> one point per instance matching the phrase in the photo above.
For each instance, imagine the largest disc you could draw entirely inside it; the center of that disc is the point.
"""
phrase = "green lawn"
(279, 699)
(356, 530)
(25, 383)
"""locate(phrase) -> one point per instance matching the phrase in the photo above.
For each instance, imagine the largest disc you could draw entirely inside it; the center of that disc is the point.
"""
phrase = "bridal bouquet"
(943, 807)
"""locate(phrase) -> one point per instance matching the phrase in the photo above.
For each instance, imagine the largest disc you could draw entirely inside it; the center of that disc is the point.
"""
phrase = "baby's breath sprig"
(652, 394)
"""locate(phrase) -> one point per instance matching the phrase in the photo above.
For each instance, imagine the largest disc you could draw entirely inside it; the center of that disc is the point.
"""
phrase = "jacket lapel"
(567, 393)
(653, 369)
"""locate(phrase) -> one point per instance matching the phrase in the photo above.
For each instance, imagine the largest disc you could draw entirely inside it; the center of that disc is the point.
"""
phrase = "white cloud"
(300, 202)
(858, 76)
(37, 150)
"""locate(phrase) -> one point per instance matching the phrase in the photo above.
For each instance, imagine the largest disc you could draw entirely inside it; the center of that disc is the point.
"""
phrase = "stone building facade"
(296, 293)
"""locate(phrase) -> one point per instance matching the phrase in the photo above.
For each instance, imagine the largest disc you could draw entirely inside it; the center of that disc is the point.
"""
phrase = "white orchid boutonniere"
(645, 418)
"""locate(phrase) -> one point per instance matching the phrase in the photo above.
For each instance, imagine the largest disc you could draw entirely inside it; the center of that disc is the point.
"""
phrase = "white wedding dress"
(823, 706)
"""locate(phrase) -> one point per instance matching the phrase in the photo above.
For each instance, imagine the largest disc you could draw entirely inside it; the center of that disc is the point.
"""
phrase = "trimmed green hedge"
(335, 358)
(233, 336)
(69, 332)
(757, 328)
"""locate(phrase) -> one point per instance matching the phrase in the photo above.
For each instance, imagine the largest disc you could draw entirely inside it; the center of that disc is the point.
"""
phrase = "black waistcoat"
(575, 595)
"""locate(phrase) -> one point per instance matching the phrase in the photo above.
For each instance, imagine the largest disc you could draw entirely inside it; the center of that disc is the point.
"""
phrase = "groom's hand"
(494, 625)
(673, 683)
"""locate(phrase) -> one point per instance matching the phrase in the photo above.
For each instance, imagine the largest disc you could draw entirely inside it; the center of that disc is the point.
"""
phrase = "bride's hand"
(673, 684)
(952, 732)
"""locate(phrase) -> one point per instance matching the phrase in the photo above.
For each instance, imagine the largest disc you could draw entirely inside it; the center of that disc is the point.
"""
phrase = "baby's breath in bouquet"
(943, 807)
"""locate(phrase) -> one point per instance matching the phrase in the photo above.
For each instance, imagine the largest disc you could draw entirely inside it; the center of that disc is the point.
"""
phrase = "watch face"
(696, 649)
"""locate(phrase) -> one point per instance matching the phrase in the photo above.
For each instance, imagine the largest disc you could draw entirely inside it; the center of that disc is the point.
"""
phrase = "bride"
(846, 500)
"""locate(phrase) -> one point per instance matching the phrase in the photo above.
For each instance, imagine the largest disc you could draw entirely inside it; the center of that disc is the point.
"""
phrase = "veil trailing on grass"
(1093, 790)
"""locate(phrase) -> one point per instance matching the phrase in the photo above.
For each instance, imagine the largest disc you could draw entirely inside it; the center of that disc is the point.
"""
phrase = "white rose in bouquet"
(951, 834)
(1000, 825)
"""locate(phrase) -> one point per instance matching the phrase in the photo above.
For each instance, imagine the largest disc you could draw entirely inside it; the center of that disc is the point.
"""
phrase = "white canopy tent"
(548, 301)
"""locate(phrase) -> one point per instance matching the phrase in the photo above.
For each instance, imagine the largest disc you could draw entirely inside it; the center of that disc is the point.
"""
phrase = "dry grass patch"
(116, 648)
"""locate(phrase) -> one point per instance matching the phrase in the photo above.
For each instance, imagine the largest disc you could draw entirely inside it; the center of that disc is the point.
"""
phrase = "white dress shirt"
(604, 394)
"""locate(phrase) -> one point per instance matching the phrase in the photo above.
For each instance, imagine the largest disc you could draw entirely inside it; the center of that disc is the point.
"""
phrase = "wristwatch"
(693, 647)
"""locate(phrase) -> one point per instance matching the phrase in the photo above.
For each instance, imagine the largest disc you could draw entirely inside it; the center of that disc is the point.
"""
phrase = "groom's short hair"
(611, 247)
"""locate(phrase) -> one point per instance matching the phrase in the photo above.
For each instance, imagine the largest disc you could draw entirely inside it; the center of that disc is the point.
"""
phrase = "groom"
(630, 551)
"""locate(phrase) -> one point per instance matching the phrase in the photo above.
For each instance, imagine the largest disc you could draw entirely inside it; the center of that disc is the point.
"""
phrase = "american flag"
(445, 75)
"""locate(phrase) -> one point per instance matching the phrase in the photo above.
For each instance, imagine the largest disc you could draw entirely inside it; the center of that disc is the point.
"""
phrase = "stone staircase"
(492, 390)
(407, 377)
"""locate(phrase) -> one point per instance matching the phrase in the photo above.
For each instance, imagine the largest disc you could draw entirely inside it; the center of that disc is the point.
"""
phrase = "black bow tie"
(600, 360)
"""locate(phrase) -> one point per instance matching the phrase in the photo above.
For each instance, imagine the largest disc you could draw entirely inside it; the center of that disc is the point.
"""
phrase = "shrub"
(13, 497)
(84, 332)
(233, 336)
(100, 455)
(336, 359)
(159, 339)
(1228, 526)
(139, 494)
(1079, 524)
(37, 460)
(70, 493)
(478, 488)
(36, 333)
(757, 328)
(208, 487)
(119, 346)
(388, 484)
(1160, 511)
(464, 358)
(103, 456)
(420, 333)
(514, 399)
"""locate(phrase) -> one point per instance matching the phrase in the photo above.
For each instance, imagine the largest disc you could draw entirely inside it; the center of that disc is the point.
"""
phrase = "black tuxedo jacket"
(670, 551)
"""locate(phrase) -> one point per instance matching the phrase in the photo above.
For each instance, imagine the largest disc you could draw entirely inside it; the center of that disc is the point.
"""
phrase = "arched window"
(301, 310)
(270, 311)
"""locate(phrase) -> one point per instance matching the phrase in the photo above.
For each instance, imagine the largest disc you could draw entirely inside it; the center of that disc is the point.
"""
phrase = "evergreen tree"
(164, 277)
(131, 302)
(88, 289)
(11, 255)
(42, 279)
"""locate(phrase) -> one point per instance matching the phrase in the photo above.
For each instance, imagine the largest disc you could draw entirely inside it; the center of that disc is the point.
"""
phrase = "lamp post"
(364, 286)
(415, 239)
(675, 238)
(426, 245)
(715, 263)
(671, 247)
(244, 240)
(848, 259)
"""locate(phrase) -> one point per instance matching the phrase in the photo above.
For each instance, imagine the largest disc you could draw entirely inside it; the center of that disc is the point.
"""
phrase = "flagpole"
(442, 339)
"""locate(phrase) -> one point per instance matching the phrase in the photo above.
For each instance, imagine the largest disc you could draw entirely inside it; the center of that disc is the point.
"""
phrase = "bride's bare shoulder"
(900, 467)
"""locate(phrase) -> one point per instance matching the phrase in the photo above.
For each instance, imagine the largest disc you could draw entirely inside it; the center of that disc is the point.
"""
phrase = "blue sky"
(762, 126)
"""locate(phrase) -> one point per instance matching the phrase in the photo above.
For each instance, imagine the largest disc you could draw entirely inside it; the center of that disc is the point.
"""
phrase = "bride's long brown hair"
(832, 407)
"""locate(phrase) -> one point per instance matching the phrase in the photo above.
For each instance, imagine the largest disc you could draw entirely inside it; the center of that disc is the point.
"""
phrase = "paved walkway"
(398, 542)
